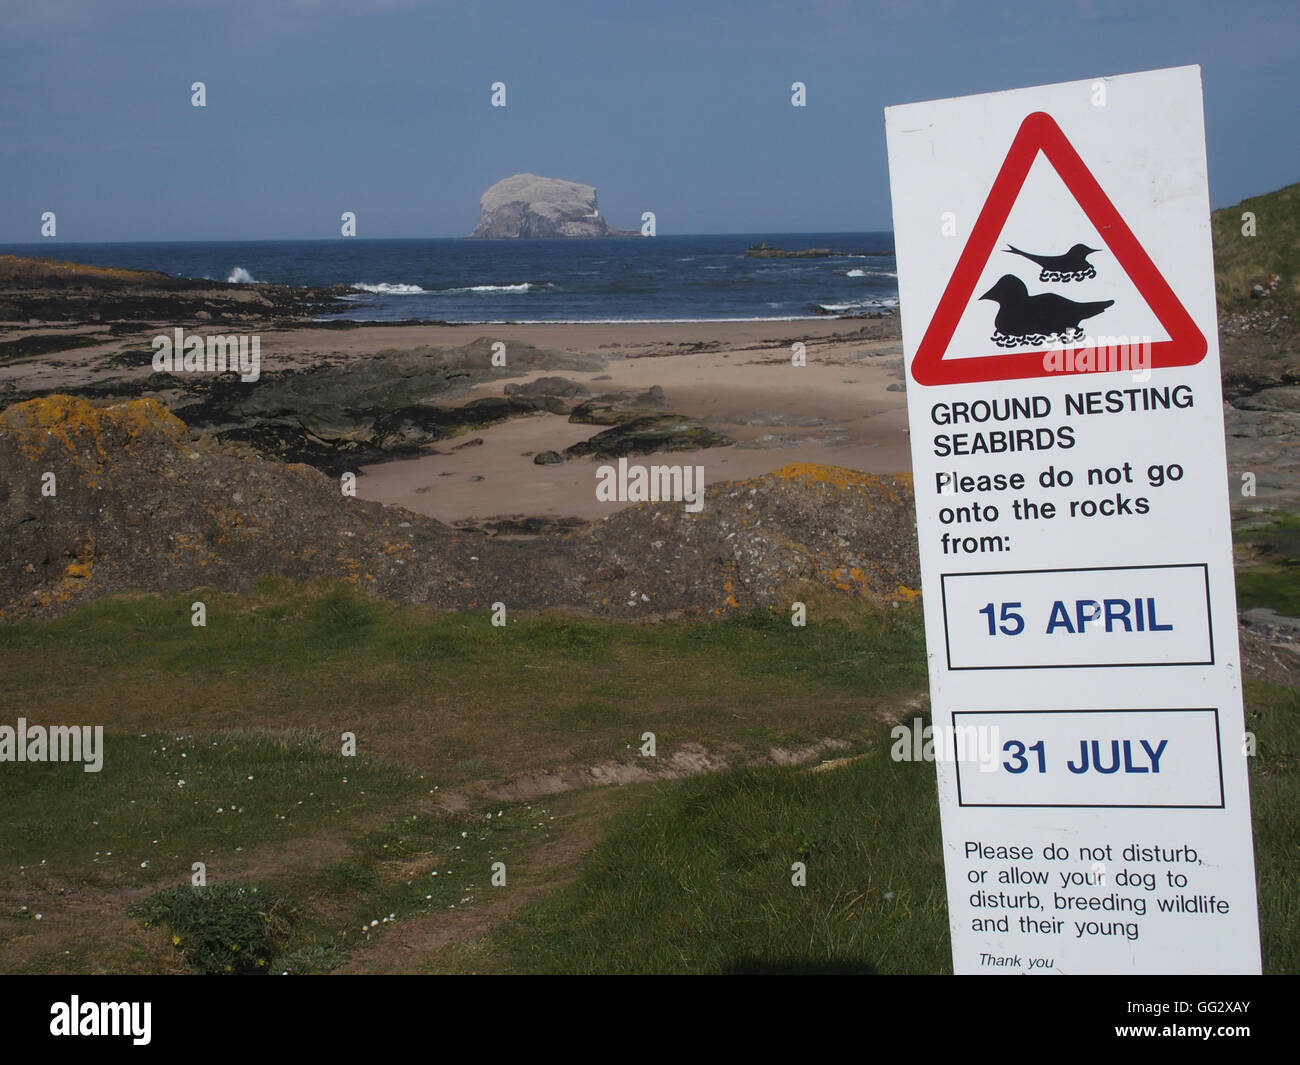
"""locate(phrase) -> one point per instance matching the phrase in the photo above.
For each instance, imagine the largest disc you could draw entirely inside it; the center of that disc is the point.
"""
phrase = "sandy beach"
(844, 407)
(735, 377)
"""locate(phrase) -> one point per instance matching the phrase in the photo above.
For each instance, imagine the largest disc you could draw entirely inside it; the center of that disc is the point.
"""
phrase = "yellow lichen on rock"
(80, 427)
(839, 477)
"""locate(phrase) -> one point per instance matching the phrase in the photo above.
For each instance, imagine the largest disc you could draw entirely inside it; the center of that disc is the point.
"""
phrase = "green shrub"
(227, 928)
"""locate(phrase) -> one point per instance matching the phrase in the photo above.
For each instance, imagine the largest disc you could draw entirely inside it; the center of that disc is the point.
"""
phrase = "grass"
(1275, 587)
(1273, 715)
(1242, 261)
(227, 928)
(163, 801)
(411, 867)
(448, 691)
(1269, 571)
(697, 878)
(689, 875)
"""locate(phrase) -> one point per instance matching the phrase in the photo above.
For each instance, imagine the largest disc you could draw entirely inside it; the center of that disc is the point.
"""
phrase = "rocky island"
(525, 205)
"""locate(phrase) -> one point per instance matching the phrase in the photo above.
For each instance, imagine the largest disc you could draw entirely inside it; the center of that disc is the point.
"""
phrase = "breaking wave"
(881, 303)
(387, 288)
(524, 286)
(240, 276)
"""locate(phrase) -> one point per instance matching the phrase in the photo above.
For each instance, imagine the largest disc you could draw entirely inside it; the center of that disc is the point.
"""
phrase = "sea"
(610, 279)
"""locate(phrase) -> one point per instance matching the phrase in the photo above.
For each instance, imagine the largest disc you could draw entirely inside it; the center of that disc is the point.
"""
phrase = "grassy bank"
(385, 860)
(1242, 260)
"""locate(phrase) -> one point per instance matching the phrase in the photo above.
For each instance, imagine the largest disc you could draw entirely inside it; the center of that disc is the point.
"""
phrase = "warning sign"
(1054, 294)
(1056, 286)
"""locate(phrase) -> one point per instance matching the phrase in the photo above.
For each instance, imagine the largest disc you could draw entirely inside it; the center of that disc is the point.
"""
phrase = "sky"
(383, 107)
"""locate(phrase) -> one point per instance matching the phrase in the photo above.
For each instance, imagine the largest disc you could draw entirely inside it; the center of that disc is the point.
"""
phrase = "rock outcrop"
(139, 508)
(55, 291)
(525, 205)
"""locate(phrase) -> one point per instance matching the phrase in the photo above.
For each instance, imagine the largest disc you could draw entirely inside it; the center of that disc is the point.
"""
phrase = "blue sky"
(382, 106)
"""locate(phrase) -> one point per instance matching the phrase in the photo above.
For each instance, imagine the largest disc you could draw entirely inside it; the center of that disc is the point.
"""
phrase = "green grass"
(685, 876)
(1269, 575)
(450, 692)
(1275, 587)
(1241, 261)
(697, 878)
(1273, 715)
(411, 867)
(1279, 535)
(164, 801)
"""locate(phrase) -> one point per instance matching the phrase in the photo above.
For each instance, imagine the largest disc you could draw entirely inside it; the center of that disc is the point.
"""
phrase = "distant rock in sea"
(767, 251)
(525, 205)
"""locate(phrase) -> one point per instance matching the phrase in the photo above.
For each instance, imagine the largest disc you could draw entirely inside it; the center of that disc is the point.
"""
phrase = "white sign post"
(1056, 284)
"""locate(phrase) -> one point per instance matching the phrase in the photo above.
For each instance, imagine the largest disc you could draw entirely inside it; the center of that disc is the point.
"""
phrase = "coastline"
(735, 377)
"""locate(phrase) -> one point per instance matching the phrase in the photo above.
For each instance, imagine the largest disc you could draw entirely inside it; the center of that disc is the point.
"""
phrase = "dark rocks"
(341, 415)
(548, 458)
(548, 386)
(764, 250)
(781, 419)
(615, 408)
(644, 436)
(520, 525)
(40, 344)
(55, 291)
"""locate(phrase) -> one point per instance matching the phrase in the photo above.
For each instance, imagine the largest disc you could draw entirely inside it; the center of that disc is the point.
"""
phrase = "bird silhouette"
(1026, 319)
(1072, 266)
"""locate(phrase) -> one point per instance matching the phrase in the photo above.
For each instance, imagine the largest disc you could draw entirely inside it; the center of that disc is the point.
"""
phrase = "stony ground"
(97, 501)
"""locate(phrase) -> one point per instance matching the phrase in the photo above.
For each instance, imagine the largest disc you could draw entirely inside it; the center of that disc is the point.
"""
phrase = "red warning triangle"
(1186, 345)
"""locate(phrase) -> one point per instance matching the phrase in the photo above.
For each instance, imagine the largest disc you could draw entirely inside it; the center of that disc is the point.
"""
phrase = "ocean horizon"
(610, 280)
